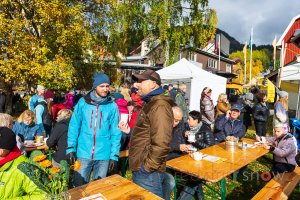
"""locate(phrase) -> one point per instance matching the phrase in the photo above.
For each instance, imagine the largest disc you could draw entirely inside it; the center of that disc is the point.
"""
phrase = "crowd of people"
(151, 120)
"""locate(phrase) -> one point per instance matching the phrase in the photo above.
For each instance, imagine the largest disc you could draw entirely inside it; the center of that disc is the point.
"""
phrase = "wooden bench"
(280, 187)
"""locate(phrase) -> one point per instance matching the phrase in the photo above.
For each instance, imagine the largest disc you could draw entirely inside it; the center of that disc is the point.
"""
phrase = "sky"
(267, 17)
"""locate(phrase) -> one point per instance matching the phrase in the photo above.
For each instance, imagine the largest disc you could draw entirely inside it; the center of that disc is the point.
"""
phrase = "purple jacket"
(285, 148)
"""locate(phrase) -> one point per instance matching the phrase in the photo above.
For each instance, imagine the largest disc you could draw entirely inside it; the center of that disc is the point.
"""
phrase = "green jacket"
(14, 184)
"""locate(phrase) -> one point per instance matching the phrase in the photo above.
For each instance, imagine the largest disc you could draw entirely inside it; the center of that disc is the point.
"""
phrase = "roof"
(212, 55)
(287, 29)
(136, 66)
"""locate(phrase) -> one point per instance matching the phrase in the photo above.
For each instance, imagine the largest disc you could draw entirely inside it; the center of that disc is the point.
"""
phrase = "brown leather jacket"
(151, 136)
(222, 108)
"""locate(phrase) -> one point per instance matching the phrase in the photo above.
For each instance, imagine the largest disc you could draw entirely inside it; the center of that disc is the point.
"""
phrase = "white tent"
(184, 71)
(291, 73)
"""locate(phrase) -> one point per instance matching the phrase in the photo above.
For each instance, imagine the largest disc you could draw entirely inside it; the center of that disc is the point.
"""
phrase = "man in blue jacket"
(93, 135)
(229, 124)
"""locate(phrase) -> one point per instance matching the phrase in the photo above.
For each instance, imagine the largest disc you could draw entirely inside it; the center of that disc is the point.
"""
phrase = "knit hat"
(282, 94)
(40, 87)
(7, 138)
(48, 95)
(99, 79)
(249, 96)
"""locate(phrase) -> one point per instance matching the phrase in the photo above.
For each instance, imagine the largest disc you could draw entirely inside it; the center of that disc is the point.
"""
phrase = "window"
(193, 57)
(228, 68)
(212, 63)
(179, 56)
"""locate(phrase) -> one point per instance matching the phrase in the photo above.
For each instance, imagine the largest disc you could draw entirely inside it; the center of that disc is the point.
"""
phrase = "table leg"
(223, 189)
(175, 188)
(234, 175)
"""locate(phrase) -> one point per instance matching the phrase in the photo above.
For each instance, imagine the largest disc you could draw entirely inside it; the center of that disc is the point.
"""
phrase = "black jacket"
(58, 139)
(177, 139)
(204, 137)
(2, 102)
(246, 112)
(261, 112)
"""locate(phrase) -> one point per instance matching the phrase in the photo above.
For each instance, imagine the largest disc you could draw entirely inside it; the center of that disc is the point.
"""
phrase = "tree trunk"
(9, 97)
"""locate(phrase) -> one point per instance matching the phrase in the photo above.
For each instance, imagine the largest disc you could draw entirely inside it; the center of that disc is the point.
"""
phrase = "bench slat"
(280, 187)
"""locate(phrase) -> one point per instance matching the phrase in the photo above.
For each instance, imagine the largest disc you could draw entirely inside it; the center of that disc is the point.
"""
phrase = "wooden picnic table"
(113, 187)
(217, 171)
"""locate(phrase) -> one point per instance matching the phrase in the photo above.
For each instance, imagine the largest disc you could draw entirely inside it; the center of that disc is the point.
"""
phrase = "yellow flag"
(245, 50)
(274, 43)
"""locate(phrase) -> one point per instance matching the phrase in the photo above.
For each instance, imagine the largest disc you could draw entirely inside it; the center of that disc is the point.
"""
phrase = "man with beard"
(93, 135)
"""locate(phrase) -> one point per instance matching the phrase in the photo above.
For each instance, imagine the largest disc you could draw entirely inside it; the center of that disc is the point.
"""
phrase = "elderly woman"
(26, 127)
(284, 147)
(223, 105)
(281, 111)
(207, 106)
(59, 134)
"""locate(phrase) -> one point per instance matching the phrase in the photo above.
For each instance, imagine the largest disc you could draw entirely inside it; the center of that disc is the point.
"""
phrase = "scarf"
(15, 153)
(98, 100)
(194, 130)
(153, 93)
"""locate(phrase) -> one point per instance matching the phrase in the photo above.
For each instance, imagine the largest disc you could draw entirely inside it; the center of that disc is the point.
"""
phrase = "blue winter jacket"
(27, 131)
(93, 130)
(32, 101)
(225, 127)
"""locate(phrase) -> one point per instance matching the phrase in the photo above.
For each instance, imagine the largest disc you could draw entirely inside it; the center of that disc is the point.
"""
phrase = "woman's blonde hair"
(64, 114)
(26, 114)
(284, 102)
(182, 86)
(221, 97)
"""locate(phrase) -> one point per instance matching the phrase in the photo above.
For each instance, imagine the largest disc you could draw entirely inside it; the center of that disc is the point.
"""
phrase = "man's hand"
(112, 166)
(71, 158)
(184, 147)
(228, 113)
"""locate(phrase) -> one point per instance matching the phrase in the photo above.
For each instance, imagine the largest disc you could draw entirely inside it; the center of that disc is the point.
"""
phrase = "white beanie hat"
(40, 87)
(282, 94)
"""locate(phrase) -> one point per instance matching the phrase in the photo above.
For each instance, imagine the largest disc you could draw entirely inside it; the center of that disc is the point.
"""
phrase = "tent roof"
(291, 72)
(183, 69)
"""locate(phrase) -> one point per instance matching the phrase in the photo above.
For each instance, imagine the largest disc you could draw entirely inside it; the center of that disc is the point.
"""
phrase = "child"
(284, 148)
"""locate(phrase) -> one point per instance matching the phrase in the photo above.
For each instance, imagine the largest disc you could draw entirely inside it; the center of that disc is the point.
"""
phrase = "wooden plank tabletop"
(113, 187)
(214, 172)
(42, 147)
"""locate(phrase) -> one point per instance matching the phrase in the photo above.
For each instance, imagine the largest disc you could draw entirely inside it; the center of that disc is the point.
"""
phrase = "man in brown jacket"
(152, 133)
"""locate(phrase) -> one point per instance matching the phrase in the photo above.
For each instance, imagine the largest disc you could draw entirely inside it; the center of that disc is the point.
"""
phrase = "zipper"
(95, 132)
(100, 120)
(91, 118)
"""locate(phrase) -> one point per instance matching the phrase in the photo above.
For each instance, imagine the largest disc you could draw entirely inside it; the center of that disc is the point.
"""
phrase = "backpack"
(46, 117)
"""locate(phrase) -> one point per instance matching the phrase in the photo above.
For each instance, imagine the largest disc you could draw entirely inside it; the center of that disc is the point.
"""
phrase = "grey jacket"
(207, 110)
(285, 149)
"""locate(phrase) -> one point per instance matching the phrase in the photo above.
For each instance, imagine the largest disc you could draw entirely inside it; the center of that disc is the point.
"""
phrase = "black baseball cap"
(148, 75)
